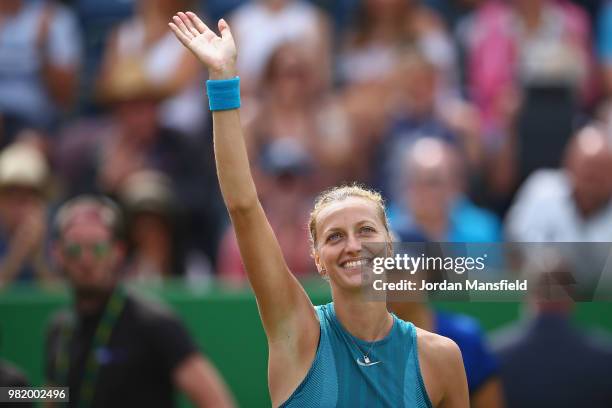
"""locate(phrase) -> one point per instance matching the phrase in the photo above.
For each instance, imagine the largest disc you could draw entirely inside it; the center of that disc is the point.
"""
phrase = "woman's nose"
(353, 244)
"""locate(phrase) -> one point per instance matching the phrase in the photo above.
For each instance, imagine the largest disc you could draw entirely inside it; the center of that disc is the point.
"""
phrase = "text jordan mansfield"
(474, 284)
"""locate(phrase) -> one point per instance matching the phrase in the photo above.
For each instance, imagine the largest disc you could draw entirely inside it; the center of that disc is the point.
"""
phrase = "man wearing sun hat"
(23, 213)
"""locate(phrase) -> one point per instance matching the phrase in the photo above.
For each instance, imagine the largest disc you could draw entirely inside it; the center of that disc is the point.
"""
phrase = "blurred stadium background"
(461, 112)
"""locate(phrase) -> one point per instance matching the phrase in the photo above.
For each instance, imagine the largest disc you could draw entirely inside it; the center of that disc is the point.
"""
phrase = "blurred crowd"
(478, 120)
(460, 112)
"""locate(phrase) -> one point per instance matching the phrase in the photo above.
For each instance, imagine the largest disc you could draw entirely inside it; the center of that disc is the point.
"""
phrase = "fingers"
(225, 31)
(198, 24)
(179, 34)
(188, 23)
(185, 32)
(181, 25)
(187, 26)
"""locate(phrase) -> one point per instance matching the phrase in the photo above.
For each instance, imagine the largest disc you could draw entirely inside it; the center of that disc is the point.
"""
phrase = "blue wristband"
(223, 94)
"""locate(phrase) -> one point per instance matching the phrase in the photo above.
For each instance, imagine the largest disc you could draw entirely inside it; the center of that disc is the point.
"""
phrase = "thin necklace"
(366, 356)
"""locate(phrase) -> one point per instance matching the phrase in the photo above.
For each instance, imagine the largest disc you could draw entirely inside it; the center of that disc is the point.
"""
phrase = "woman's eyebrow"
(365, 222)
(331, 229)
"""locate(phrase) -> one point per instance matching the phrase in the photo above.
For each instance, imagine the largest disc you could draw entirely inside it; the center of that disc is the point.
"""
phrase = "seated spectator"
(294, 108)
(100, 155)
(146, 48)
(544, 360)
(433, 205)
(418, 107)
(529, 69)
(97, 19)
(516, 44)
(155, 250)
(259, 27)
(24, 176)
(398, 64)
(380, 27)
(481, 367)
(286, 197)
(112, 348)
(40, 51)
(573, 204)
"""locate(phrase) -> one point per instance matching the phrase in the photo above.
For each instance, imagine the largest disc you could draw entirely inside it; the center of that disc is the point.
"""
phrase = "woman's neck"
(366, 320)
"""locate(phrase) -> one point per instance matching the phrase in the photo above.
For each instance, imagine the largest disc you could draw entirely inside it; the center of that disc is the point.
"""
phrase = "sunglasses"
(75, 251)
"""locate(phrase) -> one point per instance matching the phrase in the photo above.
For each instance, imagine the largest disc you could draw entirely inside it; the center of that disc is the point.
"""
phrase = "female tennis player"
(351, 352)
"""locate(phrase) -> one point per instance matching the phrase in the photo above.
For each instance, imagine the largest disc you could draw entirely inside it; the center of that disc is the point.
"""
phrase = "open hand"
(218, 53)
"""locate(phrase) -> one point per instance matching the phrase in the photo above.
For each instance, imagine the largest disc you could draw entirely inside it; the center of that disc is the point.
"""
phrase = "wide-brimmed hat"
(128, 81)
(148, 191)
(23, 165)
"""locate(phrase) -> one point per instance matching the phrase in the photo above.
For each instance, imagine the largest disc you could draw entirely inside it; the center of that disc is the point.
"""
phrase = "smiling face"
(343, 230)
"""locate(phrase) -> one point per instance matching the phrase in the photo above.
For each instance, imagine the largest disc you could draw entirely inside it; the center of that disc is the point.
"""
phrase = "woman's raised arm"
(284, 307)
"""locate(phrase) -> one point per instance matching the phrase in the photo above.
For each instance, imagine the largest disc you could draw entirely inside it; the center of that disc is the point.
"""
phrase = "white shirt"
(258, 31)
(544, 211)
(183, 111)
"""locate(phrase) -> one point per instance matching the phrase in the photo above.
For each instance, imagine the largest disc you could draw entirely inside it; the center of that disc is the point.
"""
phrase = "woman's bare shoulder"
(441, 365)
(434, 343)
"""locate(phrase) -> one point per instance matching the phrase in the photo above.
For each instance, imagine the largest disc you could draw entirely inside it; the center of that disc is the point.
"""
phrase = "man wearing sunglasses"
(113, 349)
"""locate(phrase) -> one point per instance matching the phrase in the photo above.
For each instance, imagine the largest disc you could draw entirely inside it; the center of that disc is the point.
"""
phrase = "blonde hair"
(339, 194)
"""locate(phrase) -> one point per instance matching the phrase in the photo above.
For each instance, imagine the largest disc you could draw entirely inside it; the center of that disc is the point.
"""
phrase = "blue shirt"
(339, 376)
(467, 223)
(604, 38)
(23, 92)
(480, 363)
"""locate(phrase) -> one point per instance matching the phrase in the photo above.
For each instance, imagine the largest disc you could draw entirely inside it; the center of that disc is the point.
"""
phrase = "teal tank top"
(339, 376)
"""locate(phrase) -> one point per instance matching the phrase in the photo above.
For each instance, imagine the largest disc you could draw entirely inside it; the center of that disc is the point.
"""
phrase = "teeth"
(355, 264)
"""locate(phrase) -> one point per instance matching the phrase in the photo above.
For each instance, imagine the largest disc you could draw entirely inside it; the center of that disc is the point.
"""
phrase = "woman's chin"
(351, 279)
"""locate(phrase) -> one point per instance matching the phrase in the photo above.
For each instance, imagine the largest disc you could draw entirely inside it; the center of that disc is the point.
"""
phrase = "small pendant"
(367, 362)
